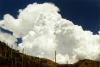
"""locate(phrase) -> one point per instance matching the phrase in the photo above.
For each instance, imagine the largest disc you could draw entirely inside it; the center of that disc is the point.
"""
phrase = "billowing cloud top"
(43, 31)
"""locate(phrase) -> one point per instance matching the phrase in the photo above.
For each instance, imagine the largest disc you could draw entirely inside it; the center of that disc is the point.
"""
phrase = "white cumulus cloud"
(43, 31)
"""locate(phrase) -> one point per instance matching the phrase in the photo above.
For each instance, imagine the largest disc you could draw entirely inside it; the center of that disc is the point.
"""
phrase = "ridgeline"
(12, 58)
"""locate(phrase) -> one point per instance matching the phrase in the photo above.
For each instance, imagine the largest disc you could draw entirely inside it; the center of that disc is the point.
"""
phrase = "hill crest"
(12, 58)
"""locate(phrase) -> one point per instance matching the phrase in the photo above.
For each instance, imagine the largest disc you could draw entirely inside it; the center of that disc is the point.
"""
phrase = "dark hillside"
(12, 58)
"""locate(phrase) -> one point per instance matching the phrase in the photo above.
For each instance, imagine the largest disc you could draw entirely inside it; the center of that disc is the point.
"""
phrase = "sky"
(71, 27)
(82, 12)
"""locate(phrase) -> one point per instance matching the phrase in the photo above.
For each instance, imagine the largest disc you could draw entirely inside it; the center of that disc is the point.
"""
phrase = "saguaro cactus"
(55, 56)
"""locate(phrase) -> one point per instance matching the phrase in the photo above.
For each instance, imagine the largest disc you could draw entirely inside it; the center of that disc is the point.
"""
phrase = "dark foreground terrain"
(12, 58)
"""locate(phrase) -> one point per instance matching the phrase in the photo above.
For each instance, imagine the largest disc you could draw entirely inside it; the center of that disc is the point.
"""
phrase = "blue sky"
(36, 29)
(82, 12)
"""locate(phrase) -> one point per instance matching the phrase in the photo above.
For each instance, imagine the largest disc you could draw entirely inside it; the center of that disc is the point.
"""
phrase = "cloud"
(8, 39)
(43, 31)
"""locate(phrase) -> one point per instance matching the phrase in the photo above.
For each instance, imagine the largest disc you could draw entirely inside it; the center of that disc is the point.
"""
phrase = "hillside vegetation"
(12, 58)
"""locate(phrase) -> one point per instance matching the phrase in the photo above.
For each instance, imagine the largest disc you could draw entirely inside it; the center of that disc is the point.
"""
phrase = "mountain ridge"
(13, 58)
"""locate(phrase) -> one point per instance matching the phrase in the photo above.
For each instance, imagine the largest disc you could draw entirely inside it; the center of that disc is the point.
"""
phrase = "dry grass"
(12, 58)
